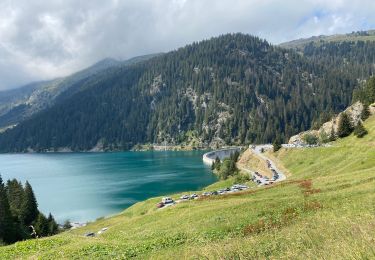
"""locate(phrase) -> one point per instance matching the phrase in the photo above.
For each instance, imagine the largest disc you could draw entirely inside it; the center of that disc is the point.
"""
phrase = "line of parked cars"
(275, 174)
(266, 180)
(167, 201)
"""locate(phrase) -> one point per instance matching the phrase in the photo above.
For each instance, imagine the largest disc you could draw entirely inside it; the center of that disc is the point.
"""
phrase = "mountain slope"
(230, 89)
(22, 103)
(323, 210)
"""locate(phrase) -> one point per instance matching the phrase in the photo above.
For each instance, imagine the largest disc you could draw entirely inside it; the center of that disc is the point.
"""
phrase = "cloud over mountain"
(45, 39)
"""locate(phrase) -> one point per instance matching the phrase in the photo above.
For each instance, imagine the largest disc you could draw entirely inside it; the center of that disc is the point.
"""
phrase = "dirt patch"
(255, 228)
(312, 206)
(311, 191)
(305, 184)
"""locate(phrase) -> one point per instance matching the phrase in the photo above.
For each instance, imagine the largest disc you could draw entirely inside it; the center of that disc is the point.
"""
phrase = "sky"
(42, 39)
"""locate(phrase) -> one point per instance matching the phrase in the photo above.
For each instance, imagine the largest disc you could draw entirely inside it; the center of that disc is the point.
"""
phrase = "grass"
(324, 210)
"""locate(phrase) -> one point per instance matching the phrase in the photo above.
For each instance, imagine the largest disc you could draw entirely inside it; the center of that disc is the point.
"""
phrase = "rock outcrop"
(327, 129)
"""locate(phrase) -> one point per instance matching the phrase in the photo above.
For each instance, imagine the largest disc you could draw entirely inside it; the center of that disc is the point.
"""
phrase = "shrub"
(365, 113)
(241, 178)
(345, 127)
(360, 130)
(310, 139)
(324, 137)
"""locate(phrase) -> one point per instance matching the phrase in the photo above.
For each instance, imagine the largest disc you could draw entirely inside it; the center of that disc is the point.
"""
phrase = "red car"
(160, 205)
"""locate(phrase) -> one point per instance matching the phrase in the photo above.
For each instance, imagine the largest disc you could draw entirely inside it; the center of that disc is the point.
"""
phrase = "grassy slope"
(329, 215)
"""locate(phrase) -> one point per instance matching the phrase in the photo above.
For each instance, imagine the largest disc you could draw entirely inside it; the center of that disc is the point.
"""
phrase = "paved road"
(209, 157)
(257, 150)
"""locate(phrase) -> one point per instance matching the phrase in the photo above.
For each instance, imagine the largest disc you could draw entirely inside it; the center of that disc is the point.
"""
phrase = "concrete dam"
(209, 158)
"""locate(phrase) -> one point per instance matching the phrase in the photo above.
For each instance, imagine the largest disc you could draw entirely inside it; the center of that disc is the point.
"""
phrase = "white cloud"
(44, 39)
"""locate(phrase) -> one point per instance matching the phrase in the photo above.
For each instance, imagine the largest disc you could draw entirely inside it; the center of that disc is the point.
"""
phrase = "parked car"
(167, 200)
(160, 205)
(206, 193)
(185, 197)
(221, 192)
(90, 234)
(193, 196)
(241, 186)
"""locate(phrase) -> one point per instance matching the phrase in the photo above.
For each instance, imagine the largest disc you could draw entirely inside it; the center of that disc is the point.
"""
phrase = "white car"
(184, 197)
(193, 196)
(167, 200)
(239, 187)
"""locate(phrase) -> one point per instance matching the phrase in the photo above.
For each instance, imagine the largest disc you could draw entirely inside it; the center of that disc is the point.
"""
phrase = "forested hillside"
(19, 104)
(233, 89)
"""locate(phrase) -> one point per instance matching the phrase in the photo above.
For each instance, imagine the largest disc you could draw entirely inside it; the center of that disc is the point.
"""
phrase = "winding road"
(208, 158)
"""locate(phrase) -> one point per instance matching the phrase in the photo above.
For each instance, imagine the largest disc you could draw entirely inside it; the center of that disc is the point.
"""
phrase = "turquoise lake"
(84, 186)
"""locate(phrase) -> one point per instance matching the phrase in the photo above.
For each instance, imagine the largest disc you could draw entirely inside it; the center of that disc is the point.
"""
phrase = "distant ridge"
(354, 36)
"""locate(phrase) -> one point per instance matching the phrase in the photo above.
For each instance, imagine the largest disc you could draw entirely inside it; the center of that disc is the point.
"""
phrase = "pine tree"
(276, 144)
(360, 130)
(16, 195)
(41, 226)
(52, 225)
(217, 163)
(345, 127)
(7, 231)
(30, 206)
(67, 225)
(365, 113)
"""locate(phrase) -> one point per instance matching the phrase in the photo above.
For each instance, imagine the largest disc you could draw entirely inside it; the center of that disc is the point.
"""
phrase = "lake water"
(85, 186)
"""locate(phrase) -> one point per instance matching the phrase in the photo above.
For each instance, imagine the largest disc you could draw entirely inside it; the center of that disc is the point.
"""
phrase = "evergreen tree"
(217, 163)
(52, 225)
(276, 144)
(360, 130)
(7, 231)
(345, 126)
(365, 113)
(30, 207)
(67, 225)
(41, 226)
(16, 195)
(235, 156)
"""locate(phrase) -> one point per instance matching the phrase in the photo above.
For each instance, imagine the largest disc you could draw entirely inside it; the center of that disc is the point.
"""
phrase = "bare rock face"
(354, 112)
(298, 139)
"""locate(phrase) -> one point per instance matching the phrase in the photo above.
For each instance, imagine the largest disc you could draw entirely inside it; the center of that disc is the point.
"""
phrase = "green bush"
(360, 130)
(310, 139)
